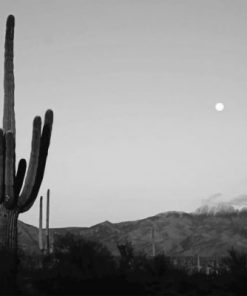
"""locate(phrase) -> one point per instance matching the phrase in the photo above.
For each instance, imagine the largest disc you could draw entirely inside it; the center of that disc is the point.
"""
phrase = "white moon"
(219, 107)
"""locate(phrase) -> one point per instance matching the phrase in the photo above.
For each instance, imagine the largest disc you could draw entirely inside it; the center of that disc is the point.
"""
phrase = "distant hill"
(176, 233)
(28, 237)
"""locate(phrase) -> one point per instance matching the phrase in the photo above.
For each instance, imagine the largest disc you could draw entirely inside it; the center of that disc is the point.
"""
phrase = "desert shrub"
(151, 275)
(75, 266)
(88, 258)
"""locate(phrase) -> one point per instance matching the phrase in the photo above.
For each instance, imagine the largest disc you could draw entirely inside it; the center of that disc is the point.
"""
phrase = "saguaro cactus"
(13, 200)
(44, 247)
(153, 242)
(47, 222)
(41, 247)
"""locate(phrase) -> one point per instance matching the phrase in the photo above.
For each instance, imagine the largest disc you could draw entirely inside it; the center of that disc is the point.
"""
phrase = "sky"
(133, 85)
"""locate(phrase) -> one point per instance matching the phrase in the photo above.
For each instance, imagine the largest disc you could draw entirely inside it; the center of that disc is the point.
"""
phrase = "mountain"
(28, 237)
(175, 233)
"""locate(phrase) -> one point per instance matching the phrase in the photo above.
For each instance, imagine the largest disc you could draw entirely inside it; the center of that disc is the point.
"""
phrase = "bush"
(75, 266)
(8, 271)
(90, 259)
(236, 267)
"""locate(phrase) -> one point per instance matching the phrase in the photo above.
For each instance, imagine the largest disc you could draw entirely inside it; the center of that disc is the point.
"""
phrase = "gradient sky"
(133, 86)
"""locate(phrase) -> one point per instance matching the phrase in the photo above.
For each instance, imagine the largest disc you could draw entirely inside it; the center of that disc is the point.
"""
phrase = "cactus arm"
(33, 163)
(44, 146)
(1, 166)
(19, 178)
(9, 84)
(9, 198)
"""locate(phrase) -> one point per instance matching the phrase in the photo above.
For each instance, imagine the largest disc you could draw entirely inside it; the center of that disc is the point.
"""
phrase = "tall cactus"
(47, 222)
(153, 242)
(13, 200)
(44, 247)
(41, 247)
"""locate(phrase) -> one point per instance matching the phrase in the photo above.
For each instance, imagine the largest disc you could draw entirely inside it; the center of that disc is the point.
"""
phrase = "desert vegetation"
(79, 266)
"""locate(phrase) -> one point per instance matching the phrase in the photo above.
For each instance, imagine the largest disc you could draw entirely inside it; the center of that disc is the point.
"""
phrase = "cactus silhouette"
(47, 222)
(44, 248)
(41, 247)
(18, 190)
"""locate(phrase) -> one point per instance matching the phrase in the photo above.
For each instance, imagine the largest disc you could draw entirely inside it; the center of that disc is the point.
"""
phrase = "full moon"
(219, 107)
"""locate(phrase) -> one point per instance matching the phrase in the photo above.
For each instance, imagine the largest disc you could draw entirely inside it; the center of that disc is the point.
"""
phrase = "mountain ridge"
(175, 233)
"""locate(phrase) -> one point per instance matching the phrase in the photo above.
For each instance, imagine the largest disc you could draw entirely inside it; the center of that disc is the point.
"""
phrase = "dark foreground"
(80, 267)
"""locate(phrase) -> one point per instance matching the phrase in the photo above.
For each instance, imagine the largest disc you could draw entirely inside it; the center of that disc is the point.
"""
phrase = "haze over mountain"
(219, 203)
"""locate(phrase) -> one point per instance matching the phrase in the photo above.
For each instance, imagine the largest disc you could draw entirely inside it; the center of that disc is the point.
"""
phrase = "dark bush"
(82, 258)
(8, 272)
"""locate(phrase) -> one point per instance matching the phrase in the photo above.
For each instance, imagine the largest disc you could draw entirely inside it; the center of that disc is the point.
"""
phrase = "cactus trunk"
(8, 229)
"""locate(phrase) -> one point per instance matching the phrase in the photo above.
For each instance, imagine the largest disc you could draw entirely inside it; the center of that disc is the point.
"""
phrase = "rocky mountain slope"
(175, 233)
